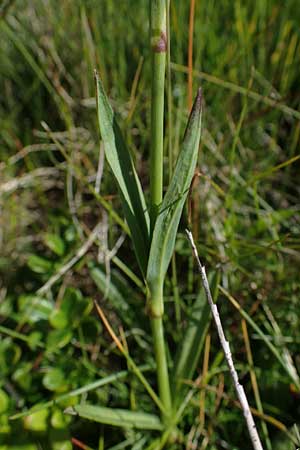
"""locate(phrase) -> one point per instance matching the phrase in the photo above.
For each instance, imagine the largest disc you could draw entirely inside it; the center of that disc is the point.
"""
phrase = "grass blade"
(119, 295)
(122, 166)
(269, 344)
(110, 289)
(117, 417)
(194, 336)
(130, 361)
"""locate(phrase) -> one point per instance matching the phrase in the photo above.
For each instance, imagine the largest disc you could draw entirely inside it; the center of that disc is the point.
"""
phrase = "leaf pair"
(153, 253)
(166, 225)
(198, 321)
(153, 257)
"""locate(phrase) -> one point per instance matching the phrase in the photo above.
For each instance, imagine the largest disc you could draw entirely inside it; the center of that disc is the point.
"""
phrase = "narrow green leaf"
(194, 335)
(123, 299)
(293, 376)
(166, 225)
(122, 166)
(108, 287)
(117, 417)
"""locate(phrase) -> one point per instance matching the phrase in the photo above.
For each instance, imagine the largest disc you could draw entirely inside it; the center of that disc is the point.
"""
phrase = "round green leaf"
(58, 319)
(60, 441)
(73, 308)
(91, 328)
(59, 420)
(55, 380)
(34, 339)
(37, 421)
(58, 339)
(55, 243)
(4, 401)
(10, 354)
(70, 234)
(39, 265)
(34, 308)
(23, 376)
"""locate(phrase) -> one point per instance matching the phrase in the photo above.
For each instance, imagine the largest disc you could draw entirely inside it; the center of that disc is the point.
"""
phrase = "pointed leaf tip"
(96, 76)
(197, 103)
(195, 116)
(198, 99)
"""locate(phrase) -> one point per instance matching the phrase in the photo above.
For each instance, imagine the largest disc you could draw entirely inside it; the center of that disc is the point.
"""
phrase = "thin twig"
(226, 348)
(46, 176)
(26, 151)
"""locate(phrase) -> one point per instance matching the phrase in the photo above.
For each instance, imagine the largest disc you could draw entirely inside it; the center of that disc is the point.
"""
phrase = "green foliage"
(39, 264)
(166, 225)
(33, 308)
(54, 351)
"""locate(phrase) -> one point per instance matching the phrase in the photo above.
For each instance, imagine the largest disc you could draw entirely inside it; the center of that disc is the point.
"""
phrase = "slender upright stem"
(190, 55)
(158, 34)
(156, 317)
(158, 43)
(169, 95)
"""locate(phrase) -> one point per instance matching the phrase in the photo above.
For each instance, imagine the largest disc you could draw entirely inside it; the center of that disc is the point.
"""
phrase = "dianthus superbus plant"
(152, 227)
(145, 381)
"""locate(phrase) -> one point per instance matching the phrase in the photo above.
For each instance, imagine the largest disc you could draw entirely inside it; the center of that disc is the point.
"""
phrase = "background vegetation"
(61, 246)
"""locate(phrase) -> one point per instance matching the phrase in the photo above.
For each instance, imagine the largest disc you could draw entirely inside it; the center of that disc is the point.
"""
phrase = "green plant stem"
(156, 314)
(158, 42)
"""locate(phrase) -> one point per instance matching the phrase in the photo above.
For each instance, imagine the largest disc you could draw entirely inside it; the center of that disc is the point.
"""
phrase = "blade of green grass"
(119, 294)
(194, 335)
(17, 335)
(112, 292)
(124, 351)
(276, 104)
(255, 327)
(31, 60)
